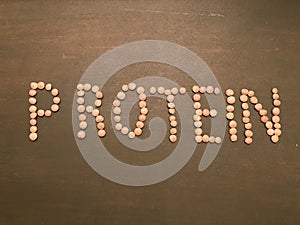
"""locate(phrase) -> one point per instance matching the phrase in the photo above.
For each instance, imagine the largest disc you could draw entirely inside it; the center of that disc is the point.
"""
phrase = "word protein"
(246, 98)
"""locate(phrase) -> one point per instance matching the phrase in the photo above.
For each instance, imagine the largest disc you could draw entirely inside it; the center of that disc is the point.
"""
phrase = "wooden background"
(253, 44)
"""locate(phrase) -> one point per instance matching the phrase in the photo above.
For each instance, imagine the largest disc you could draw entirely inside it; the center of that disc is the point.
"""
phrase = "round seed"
(117, 110)
(218, 140)
(243, 98)
(182, 90)
(152, 90)
(79, 87)
(170, 98)
(131, 86)
(205, 138)
(80, 93)
(277, 125)
(33, 115)
(211, 139)
(116, 103)
(250, 93)
(213, 113)
(95, 88)
(167, 92)
(144, 111)
(248, 126)
(205, 112)
(131, 135)
(33, 85)
(173, 131)
(231, 100)
(101, 133)
(275, 96)
(195, 88)
(54, 92)
(248, 140)
(41, 112)
(198, 124)
(248, 133)
(264, 119)
(81, 117)
(81, 108)
(276, 102)
(32, 100)
(33, 122)
(199, 112)
(140, 90)
(139, 124)
(81, 134)
(270, 132)
(99, 94)
(174, 91)
(142, 97)
(263, 112)
(142, 118)
(142, 104)
(121, 95)
(56, 100)
(80, 101)
(229, 116)
(198, 131)
(41, 85)
(196, 118)
(275, 138)
(258, 107)
(233, 138)
(95, 112)
(118, 126)
(233, 124)
(275, 119)
(173, 138)
(244, 91)
(125, 130)
(138, 131)
(99, 118)
(232, 131)
(54, 108)
(276, 111)
(48, 113)
(229, 92)
(217, 91)
(125, 87)
(274, 90)
(277, 132)
(83, 125)
(246, 120)
(87, 87)
(253, 100)
(173, 123)
(210, 89)
(171, 105)
(198, 139)
(98, 103)
(33, 129)
(197, 105)
(245, 105)
(32, 92)
(269, 124)
(196, 97)
(246, 113)
(33, 136)
(230, 108)
(161, 90)
(202, 89)
(117, 119)
(172, 118)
